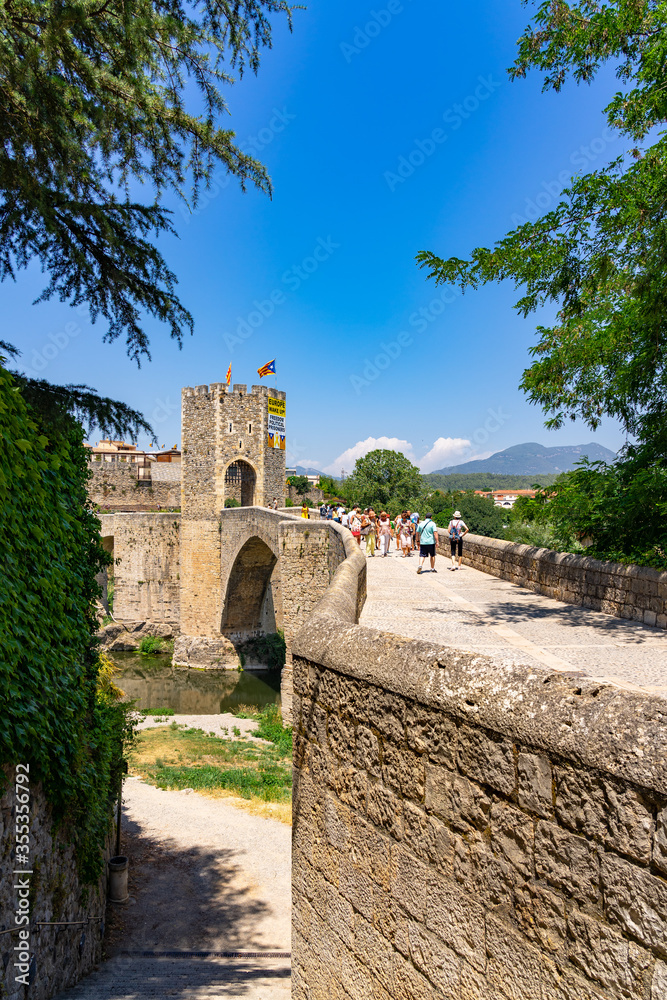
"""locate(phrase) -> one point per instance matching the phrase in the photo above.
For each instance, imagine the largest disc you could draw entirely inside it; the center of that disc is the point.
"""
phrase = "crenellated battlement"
(239, 389)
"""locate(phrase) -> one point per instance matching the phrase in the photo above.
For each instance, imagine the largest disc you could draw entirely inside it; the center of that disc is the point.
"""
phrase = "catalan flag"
(268, 369)
(229, 374)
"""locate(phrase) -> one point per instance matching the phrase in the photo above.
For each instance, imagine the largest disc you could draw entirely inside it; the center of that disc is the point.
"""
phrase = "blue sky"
(387, 129)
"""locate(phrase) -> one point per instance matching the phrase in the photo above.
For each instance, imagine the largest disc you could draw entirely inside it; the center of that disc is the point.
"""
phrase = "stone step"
(135, 977)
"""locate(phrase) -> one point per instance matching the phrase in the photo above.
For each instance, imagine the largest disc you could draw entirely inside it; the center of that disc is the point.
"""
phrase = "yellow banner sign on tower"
(276, 424)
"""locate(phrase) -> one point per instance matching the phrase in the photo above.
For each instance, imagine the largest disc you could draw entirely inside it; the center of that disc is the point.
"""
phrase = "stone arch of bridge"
(244, 611)
(250, 573)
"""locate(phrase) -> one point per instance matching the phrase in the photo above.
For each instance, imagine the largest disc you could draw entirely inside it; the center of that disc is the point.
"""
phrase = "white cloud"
(348, 458)
(445, 451)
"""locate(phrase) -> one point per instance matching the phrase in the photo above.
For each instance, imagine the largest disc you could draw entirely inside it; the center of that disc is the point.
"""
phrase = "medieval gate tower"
(233, 448)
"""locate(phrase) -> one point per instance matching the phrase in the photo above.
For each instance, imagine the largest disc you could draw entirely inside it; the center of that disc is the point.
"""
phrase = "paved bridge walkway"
(477, 612)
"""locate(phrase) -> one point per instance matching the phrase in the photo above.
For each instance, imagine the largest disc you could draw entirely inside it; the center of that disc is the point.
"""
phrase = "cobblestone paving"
(474, 611)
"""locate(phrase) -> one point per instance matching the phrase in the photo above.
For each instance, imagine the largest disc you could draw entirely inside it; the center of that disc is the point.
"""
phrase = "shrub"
(151, 644)
(267, 649)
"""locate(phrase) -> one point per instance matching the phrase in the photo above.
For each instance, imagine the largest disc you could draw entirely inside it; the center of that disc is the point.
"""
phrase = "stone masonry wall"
(146, 553)
(314, 497)
(466, 829)
(310, 554)
(114, 486)
(66, 925)
(635, 592)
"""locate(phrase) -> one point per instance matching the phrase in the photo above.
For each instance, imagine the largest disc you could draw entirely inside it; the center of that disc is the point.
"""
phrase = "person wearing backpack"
(457, 529)
(427, 535)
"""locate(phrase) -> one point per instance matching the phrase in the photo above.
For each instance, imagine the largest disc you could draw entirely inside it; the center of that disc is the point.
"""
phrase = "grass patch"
(270, 727)
(157, 711)
(189, 758)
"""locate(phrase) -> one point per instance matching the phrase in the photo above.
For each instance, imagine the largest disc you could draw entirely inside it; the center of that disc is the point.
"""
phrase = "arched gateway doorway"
(240, 482)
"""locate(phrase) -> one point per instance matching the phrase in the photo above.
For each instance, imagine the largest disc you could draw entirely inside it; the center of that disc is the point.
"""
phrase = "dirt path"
(204, 877)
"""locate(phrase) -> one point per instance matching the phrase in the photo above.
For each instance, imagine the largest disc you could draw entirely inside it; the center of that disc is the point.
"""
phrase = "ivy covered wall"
(56, 716)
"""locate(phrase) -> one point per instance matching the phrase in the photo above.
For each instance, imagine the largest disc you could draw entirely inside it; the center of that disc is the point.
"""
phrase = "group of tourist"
(408, 532)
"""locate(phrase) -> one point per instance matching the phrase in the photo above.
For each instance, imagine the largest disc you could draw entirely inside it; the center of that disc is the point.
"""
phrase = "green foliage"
(300, 483)
(289, 503)
(54, 717)
(268, 650)
(231, 502)
(485, 481)
(479, 513)
(96, 97)
(620, 509)
(56, 403)
(151, 644)
(384, 480)
(270, 727)
(329, 486)
(164, 712)
(542, 536)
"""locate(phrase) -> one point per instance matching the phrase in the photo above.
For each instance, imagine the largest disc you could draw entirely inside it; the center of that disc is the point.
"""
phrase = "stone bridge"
(221, 583)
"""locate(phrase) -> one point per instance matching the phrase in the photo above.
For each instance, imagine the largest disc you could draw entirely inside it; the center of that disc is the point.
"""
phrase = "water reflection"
(153, 682)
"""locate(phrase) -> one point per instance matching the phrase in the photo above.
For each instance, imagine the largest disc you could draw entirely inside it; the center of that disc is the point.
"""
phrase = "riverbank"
(220, 757)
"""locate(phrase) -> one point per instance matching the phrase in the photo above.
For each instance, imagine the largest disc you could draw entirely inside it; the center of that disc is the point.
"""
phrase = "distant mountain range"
(533, 459)
(302, 470)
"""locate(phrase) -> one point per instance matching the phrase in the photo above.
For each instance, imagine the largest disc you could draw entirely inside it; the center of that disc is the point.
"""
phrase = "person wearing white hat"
(457, 529)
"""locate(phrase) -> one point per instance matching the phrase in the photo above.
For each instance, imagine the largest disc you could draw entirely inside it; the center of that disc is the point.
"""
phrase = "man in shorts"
(427, 530)
(457, 529)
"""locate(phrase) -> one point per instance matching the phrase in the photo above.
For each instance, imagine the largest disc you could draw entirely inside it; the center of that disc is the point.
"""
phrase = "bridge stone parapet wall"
(634, 592)
(469, 829)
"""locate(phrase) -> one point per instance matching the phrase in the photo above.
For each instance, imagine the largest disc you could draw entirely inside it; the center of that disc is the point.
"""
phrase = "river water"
(153, 682)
